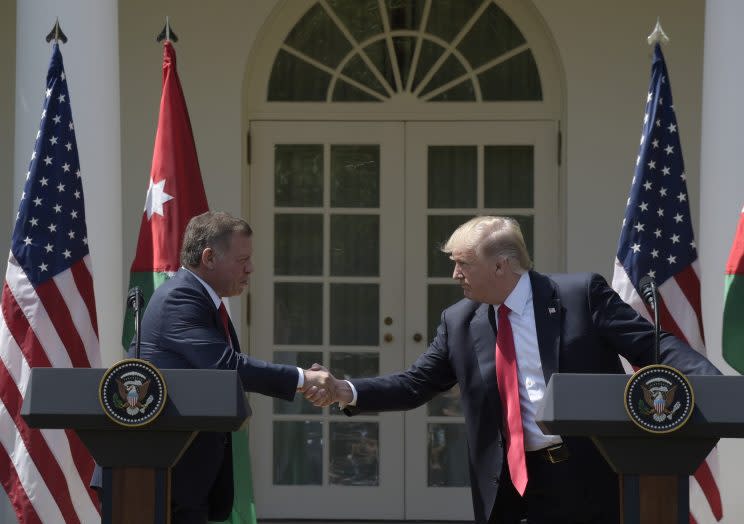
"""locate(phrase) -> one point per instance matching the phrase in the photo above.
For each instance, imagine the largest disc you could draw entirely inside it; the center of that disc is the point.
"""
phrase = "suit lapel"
(484, 340)
(548, 313)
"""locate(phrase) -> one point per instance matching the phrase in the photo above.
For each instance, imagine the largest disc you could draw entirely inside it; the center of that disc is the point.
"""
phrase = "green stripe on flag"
(147, 282)
(733, 324)
(243, 510)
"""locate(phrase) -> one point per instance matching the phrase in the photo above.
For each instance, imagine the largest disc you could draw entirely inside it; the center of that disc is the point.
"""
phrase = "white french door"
(348, 220)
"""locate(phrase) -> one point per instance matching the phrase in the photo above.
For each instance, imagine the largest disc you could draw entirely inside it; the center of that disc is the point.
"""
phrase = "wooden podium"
(136, 461)
(654, 469)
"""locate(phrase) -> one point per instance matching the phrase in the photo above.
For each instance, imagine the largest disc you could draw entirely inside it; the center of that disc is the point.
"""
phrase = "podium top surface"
(592, 405)
(198, 399)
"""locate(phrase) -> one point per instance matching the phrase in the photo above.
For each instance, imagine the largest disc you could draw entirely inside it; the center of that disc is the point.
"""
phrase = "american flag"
(48, 320)
(657, 240)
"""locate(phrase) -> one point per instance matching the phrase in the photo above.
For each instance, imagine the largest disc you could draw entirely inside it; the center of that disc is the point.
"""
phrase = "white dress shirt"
(529, 366)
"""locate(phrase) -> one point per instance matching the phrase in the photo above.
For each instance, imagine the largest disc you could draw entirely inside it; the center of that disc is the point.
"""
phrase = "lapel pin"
(551, 310)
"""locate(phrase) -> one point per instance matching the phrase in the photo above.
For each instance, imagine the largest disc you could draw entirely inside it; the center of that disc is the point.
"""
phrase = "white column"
(91, 59)
(721, 200)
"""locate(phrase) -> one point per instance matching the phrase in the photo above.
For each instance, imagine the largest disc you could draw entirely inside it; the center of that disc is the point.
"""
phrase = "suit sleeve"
(429, 375)
(188, 326)
(632, 336)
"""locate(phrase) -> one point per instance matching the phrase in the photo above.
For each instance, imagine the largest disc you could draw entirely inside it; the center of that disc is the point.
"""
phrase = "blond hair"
(491, 237)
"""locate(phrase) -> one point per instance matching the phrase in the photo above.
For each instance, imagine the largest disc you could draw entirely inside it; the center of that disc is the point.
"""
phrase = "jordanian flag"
(176, 194)
(733, 305)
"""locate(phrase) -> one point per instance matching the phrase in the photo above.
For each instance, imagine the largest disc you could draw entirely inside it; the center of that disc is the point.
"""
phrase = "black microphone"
(135, 299)
(134, 302)
(648, 289)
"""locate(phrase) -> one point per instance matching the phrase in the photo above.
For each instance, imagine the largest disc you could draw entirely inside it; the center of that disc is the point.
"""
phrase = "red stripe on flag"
(707, 482)
(61, 319)
(84, 282)
(667, 322)
(689, 283)
(692, 519)
(21, 331)
(84, 464)
(18, 497)
(37, 447)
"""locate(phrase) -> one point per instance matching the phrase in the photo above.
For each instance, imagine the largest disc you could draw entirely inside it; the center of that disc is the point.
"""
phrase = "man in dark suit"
(186, 325)
(501, 344)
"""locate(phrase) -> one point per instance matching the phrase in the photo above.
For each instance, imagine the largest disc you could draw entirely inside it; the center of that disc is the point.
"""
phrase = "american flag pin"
(551, 310)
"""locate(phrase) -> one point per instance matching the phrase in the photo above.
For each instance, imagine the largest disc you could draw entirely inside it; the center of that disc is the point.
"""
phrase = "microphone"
(135, 299)
(134, 302)
(648, 289)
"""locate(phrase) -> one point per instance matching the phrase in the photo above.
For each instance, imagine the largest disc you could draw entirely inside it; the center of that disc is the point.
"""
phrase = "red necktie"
(225, 322)
(506, 375)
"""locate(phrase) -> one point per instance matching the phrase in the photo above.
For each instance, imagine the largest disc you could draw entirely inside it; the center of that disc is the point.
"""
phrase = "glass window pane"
(303, 359)
(448, 458)
(293, 79)
(298, 313)
(355, 245)
(298, 244)
(441, 296)
(439, 229)
(515, 79)
(378, 53)
(355, 176)
(298, 453)
(492, 35)
(404, 47)
(361, 17)
(298, 175)
(453, 176)
(404, 14)
(354, 453)
(448, 16)
(446, 404)
(462, 92)
(346, 366)
(318, 36)
(345, 92)
(355, 314)
(448, 71)
(509, 173)
(430, 53)
(357, 69)
(527, 225)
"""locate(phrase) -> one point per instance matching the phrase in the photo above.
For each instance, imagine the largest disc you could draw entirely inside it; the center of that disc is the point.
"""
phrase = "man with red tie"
(501, 344)
(186, 325)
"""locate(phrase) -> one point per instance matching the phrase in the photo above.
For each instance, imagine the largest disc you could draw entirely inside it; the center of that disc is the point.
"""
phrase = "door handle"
(417, 337)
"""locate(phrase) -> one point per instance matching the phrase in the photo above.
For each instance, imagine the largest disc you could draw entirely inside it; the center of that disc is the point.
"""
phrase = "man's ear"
(207, 258)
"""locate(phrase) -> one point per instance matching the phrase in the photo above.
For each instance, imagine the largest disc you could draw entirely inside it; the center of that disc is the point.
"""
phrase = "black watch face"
(132, 392)
(659, 399)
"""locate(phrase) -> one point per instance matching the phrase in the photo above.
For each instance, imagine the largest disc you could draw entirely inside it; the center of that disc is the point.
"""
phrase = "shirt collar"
(214, 296)
(520, 296)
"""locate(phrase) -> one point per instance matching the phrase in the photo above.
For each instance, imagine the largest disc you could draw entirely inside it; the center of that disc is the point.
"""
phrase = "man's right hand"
(323, 389)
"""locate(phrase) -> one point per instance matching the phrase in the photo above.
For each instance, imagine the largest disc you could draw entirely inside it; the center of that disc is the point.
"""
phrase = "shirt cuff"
(353, 396)
(301, 378)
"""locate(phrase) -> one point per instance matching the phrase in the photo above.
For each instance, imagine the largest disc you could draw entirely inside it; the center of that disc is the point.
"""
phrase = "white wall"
(607, 63)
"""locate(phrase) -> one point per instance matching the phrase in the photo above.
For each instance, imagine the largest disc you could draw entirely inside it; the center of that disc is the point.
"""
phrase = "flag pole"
(56, 34)
(657, 36)
(167, 33)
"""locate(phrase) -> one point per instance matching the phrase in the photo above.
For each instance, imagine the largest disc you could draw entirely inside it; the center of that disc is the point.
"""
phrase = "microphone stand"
(657, 329)
(134, 301)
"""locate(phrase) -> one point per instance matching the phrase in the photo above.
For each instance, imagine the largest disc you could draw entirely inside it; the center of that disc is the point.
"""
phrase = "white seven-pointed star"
(156, 197)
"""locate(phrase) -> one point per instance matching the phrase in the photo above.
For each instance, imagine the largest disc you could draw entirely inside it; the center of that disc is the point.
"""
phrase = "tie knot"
(503, 311)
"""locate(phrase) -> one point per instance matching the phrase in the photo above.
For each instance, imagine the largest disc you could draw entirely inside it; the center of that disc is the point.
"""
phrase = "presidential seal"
(132, 392)
(659, 399)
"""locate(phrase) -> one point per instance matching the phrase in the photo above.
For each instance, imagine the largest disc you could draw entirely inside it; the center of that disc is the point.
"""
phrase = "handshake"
(323, 389)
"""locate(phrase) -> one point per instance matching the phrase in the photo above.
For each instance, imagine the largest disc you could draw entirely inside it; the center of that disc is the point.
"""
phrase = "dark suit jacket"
(181, 328)
(582, 325)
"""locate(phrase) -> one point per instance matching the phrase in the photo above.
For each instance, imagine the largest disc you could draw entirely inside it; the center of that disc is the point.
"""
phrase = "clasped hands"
(323, 389)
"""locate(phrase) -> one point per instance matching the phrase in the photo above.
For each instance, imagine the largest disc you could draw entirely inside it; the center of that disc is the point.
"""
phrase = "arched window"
(433, 50)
